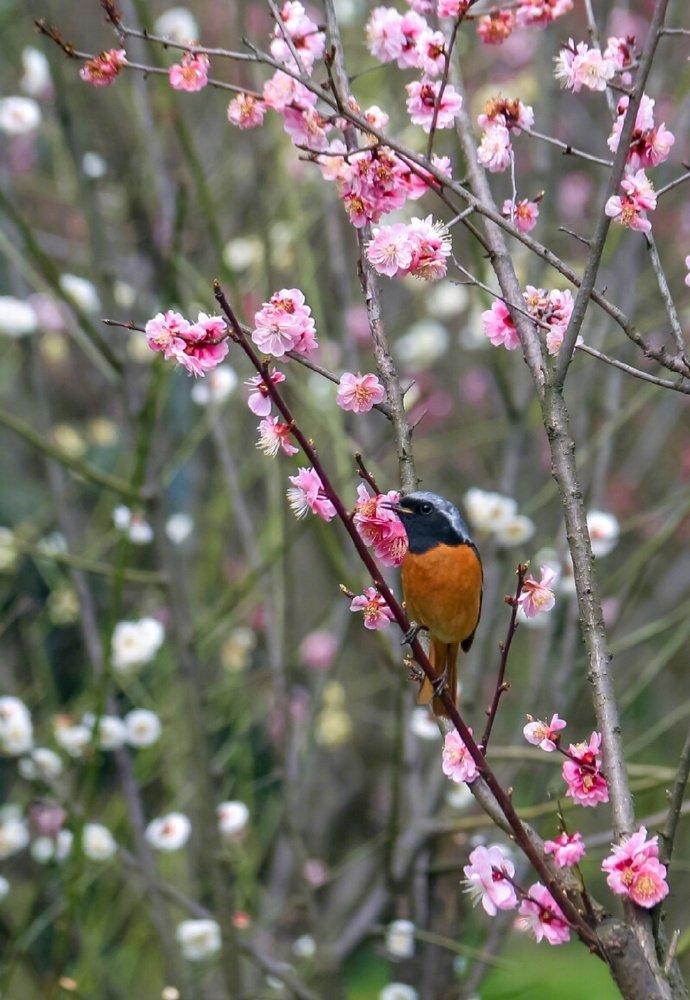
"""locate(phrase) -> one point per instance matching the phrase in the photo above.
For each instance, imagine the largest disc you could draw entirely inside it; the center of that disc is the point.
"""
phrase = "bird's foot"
(440, 683)
(415, 672)
(412, 633)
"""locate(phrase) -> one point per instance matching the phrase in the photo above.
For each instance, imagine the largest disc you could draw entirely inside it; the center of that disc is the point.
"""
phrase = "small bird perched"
(442, 581)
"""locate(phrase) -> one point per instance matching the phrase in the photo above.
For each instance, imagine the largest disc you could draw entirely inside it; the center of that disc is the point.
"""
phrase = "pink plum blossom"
(431, 244)
(274, 436)
(284, 323)
(687, 276)
(544, 736)
(582, 773)
(431, 52)
(495, 151)
(282, 91)
(421, 102)
(523, 214)
(306, 38)
(620, 51)
(567, 849)
(631, 206)
(452, 8)
(537, 597)
(165, 332)
(379, 526)
(359, 392)
(103, 69)
(259, 401)
(191, 73)
(413, 26)
(493, 29)
(539, 13)
(306, 494)
(581, 66)
(457, 762)
(487, 877)
(384, 32)
(390, 250)
(246, 111)
(377, 614)
(507, 111)
(498, 326)
(206, 344)
(318, 648)
(543, 916)
(650, 144)
(634, 870)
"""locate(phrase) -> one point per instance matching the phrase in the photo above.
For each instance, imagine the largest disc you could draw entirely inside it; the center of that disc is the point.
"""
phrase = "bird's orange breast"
(443, 590)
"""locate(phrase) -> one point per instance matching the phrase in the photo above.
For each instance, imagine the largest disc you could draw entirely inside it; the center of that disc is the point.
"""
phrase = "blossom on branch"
(379, 526)
(543, 916)
(285, 323)
(494, 28)
(579, 66)
(308, 41)
(103, 69)
(359, 392)
(376, 612)
(634, 870)
(544, 736)
(567, 849)
(246, 111)
(419, 248)
(631, 206)
(650, 144)
(487, 878)
(495, 150)
(523, 214)
(191, 73)
(536, 596)
(274, 436)
(423, 100)
(498, 326)
(306, 494)
(582, 773)
(457, 763)
(259, 401)
(539, 13)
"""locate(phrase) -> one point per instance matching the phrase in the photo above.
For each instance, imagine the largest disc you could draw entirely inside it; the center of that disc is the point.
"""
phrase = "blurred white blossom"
(143, 727)
(17, 318)
(16, 729)
(98, 842)
(604, 532)
(169, 832)
(232, 819)
(398, 991)
(198, 939)
(42, 764)
(179, 527)
(45, 849)
(135, 643)
(422, 724)
(134, 524)
(488, 511)
(73, 737)
(400, 938)
(242, 252)
(424, 343)
(4, 887)
(35, 80)
(112, 732)
(178, 24)
(14, 832)
(93, 165)
(81, 291)
(516, 531)
(19, 115)
(218, 385)
(304, 946)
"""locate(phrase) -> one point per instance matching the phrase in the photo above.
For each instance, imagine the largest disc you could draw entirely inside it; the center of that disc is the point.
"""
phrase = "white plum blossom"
(304, 946)
(35, 80)
(17, 318)
(179, 527)
(135, 643)
(198, 939)
(604, 532)
(98, 842)
(517, 530)
(133, 523)
(398, 991)
(112, 732)
(42, 764)
(45, 849)
(143, 727)
(488, 511)
(169, 832)
(80, 291)
(178, 24)
(16, 729)
(232, 819)
(14, 832)
(72, 737)
(218, 386)
(4, 887)
(422, 724)
(400, 935)
(19, 115)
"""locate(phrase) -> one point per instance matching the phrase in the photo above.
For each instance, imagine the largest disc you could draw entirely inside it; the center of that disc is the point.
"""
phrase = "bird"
(442, 582)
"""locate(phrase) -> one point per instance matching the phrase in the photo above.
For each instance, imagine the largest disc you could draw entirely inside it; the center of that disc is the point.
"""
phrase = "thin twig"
(501, 685)
(664, 383)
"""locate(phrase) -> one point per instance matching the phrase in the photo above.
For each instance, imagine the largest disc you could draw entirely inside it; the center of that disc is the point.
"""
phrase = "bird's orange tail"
(443, 656)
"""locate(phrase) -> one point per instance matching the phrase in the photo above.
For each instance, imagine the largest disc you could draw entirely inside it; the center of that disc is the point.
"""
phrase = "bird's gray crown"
(431, 520)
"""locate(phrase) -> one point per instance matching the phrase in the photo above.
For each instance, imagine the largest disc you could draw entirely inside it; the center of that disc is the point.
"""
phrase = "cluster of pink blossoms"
(579, 66)
(308, 41)
(650, 145)
(634, 870)
(582, 773)
(306, 494)
(198, 347)
(567, 848)
(103, 69)
(359, 393)
(285, 323)
(376, 612)
(552, 308)
(420, 248)
(379, 526)
(489, 880)
(501, 117)
(191, 73)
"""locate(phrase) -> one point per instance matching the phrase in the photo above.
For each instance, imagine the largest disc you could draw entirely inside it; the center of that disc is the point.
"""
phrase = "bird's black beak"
(397, 507)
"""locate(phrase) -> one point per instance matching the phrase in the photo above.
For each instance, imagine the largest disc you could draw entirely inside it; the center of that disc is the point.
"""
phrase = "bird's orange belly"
(442, 589)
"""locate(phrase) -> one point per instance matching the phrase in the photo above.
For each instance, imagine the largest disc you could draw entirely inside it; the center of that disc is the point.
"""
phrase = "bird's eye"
(425, 508)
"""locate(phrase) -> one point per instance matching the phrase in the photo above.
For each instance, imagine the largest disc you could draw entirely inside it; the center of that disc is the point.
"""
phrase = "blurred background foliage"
(148, 195)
